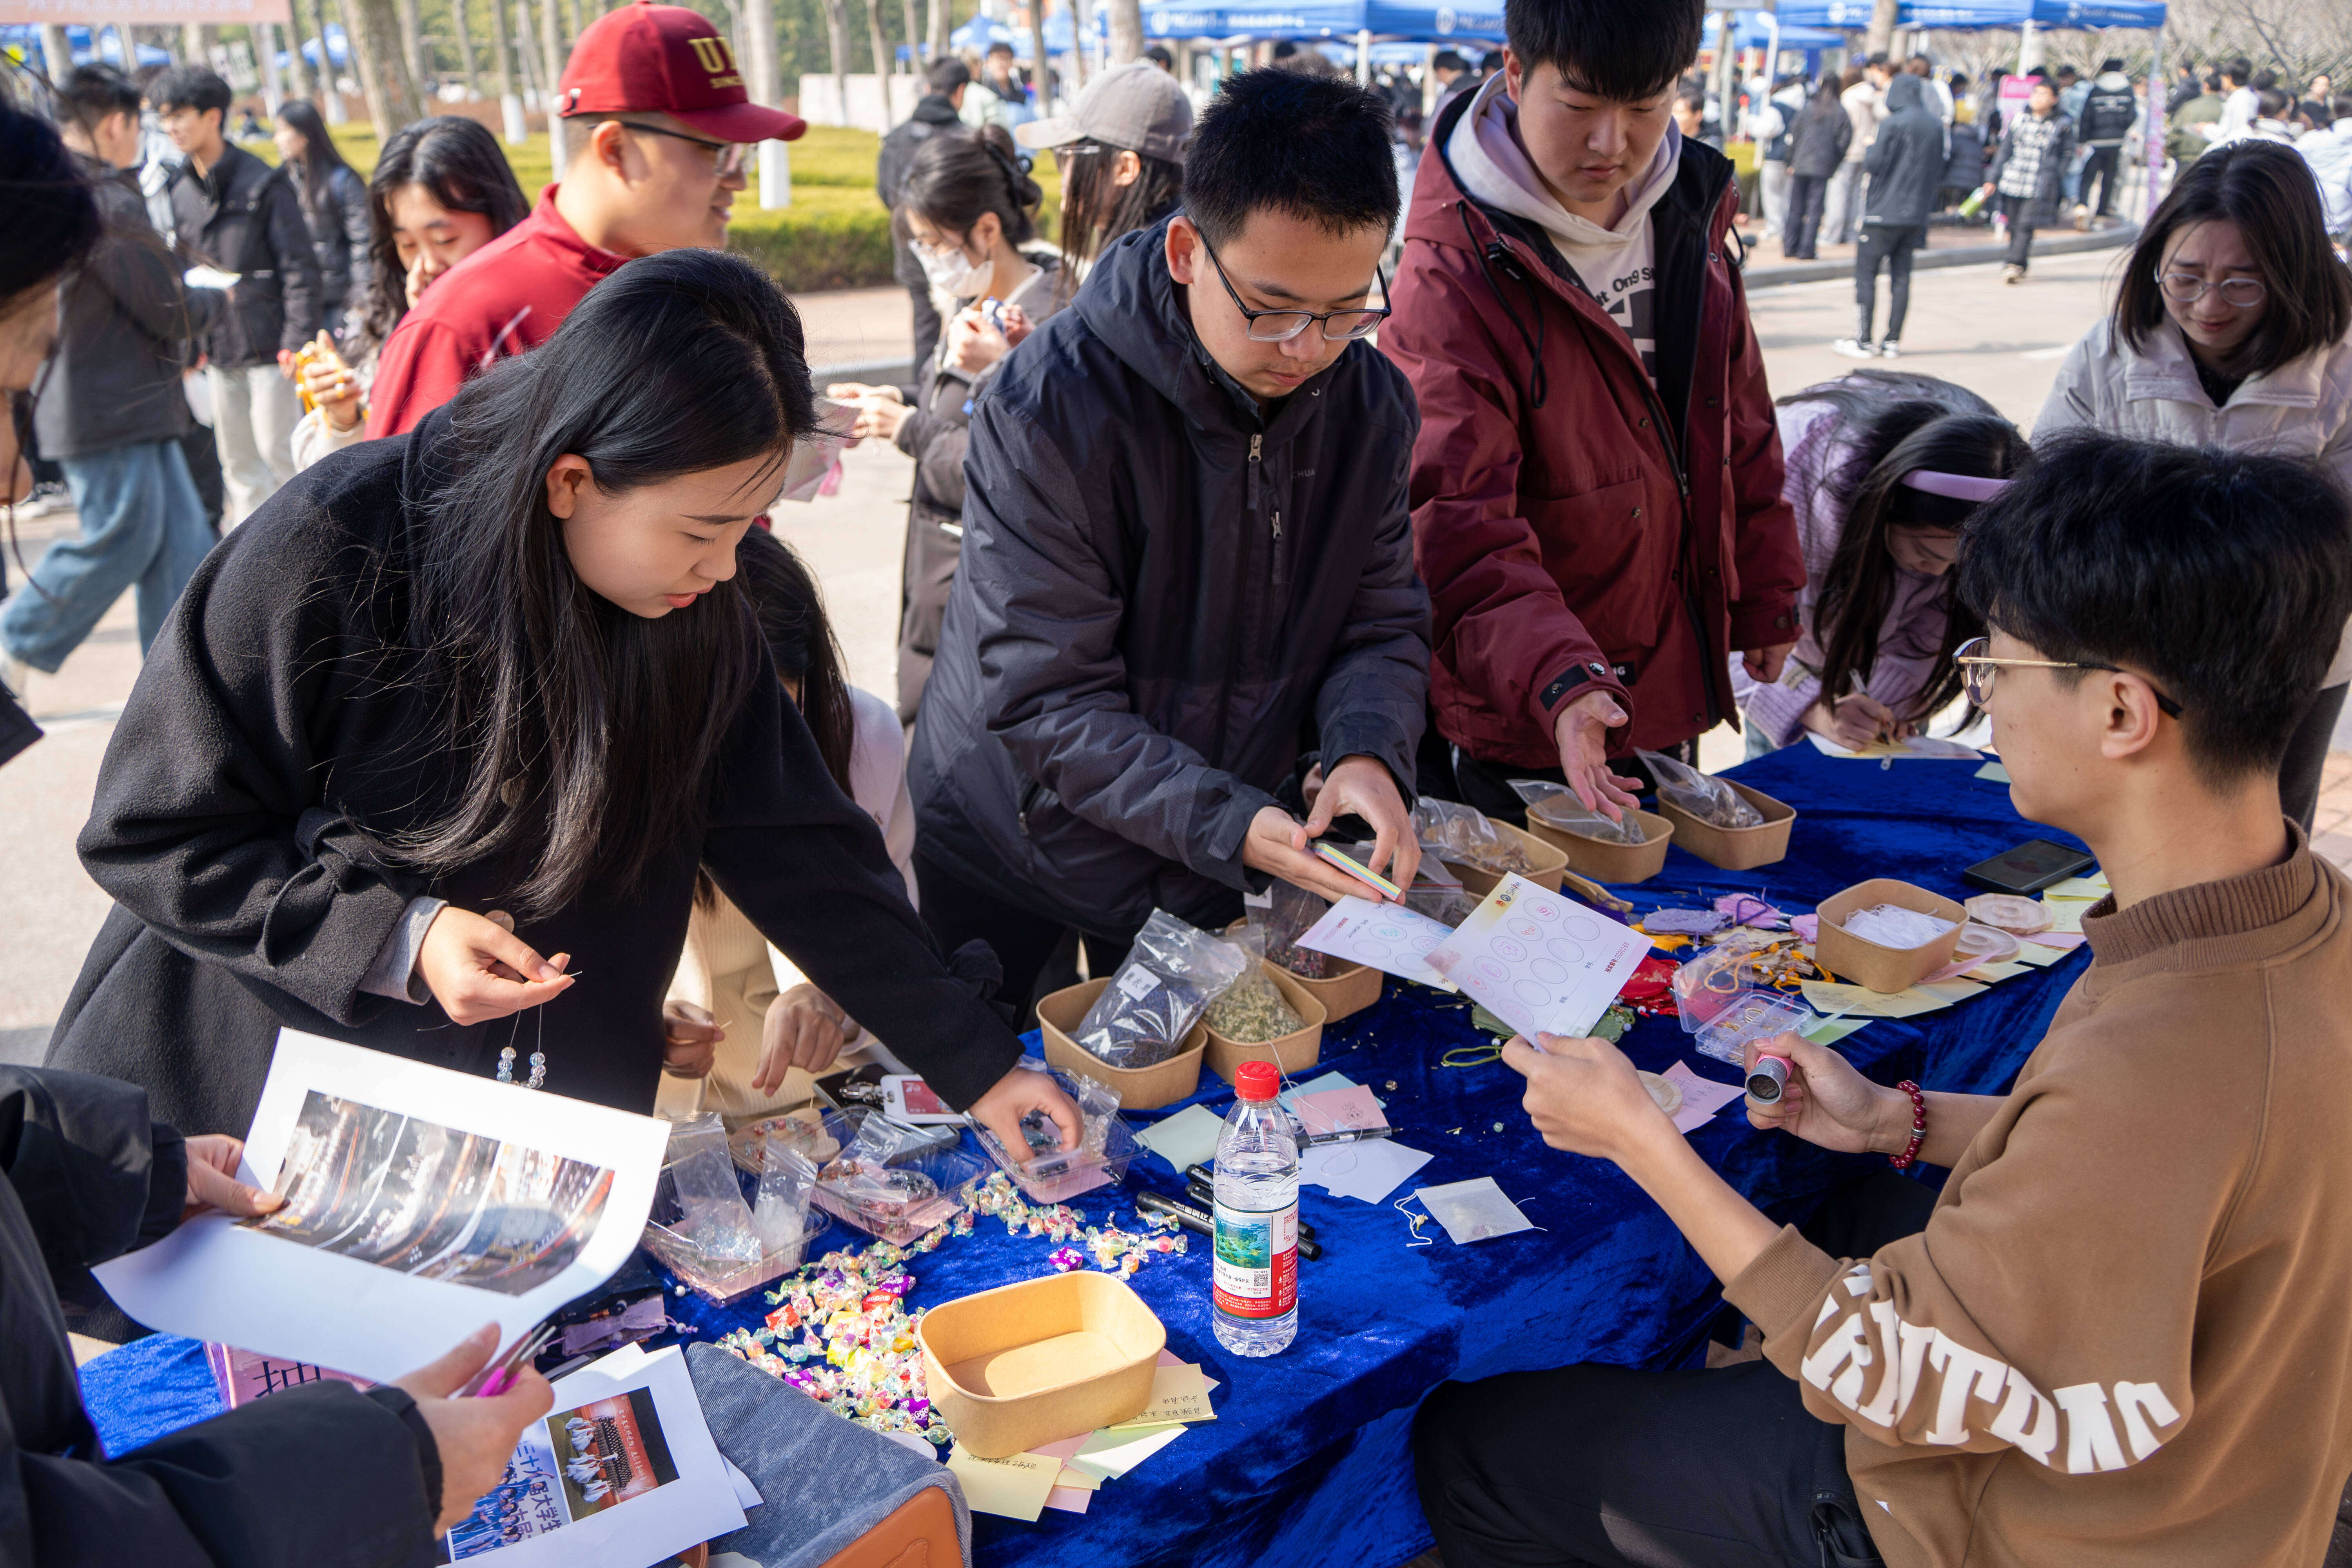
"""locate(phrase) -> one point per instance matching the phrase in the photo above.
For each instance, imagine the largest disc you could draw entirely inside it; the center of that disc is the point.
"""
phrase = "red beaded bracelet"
(1904, 1161)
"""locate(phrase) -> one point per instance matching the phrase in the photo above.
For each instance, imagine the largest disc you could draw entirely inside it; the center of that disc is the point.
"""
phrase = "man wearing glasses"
(1187, 562)
(2114, 1337)
(660, 128)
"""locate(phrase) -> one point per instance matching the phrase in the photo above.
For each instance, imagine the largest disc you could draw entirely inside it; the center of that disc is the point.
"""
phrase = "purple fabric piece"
(1310, 1457)
(1684, 922)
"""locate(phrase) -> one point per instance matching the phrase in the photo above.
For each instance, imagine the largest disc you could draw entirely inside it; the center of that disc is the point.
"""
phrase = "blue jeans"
(142, 524)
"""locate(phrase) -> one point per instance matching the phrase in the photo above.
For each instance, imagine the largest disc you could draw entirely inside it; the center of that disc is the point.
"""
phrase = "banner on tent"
(141, 13)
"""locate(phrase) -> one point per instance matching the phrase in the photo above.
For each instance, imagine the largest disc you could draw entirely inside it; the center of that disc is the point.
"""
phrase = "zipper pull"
(1255, 442)
(1278, 528)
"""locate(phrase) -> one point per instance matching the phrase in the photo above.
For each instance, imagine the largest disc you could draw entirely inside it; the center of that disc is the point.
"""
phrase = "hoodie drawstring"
(1497, 252)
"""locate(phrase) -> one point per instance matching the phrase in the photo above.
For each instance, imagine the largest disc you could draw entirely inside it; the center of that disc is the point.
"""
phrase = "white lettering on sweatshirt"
(1912, 1360)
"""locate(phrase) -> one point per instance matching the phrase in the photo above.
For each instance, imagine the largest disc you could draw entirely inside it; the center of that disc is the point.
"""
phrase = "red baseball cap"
(667, 60)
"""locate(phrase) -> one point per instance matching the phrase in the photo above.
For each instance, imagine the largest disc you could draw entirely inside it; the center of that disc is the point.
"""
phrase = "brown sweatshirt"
(2126, 1335)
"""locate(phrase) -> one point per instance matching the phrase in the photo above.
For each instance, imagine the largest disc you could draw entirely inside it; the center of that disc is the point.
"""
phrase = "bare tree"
(836, 39)
(914, 37)
(1126, 30)
(465, 48)
(552, 71)
(1082, 32)
(1881, 35)
(509, 102)
(881, 58)
(412, 46)
(300, 82)
(936, 29)
(371, 28)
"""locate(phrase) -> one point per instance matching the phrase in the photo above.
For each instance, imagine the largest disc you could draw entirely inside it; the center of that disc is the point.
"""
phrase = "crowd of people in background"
(1343, 444)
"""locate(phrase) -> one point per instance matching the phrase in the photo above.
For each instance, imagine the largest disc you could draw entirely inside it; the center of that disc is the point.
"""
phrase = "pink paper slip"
(1702, 1097)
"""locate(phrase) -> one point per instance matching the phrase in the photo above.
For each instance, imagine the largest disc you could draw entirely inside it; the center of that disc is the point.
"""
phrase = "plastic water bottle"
(1257, 1267)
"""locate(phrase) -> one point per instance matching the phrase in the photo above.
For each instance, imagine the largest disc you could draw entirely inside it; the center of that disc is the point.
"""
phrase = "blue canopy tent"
(979, 33)
(87, 48)
(1301, 19)
(1968, 16)
(1753, 30)
(337, 46)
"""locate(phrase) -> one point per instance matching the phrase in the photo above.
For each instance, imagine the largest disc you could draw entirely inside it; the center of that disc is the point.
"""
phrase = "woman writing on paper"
(502, 665)
(1883, 471)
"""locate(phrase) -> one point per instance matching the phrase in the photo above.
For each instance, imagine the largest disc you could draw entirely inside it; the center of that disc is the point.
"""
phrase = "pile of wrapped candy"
(841, 1334)
(840, 1331)
(1115, 1251)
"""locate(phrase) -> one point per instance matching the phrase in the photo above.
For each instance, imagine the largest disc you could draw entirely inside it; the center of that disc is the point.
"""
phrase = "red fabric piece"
(506, 298)
(1556, 541)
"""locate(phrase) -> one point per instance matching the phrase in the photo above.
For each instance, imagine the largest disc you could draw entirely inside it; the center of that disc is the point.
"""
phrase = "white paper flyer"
(1539, 961)
(420, 1202)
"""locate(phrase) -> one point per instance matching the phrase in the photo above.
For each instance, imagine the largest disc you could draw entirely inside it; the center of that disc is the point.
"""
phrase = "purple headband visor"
(1958, 487)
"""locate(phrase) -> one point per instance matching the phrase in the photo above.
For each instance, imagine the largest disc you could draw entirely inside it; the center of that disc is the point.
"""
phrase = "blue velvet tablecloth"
(1309, 1459)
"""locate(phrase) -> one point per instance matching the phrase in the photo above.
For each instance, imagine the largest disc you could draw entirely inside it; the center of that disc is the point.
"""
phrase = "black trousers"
(2106, 165)
(1039, 954)
(1891, 247)
(2306, 756)
(2020, 230)
(927, 328)
(1598, 1466)
(1800, 227)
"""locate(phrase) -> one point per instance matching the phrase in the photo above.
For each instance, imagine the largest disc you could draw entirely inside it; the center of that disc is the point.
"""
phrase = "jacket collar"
(2161, 371)
(934, 109)
(1130, 304)
(548, 227)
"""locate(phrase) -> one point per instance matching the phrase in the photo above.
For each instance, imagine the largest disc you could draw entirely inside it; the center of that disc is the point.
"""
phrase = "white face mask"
(952, 272)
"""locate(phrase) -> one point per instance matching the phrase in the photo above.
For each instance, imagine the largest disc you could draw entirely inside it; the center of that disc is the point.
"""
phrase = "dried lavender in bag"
(1171, 976)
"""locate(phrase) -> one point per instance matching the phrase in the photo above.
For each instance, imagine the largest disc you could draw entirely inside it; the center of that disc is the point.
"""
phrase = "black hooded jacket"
(1905, 162)
(1166, 597)
(931, 116)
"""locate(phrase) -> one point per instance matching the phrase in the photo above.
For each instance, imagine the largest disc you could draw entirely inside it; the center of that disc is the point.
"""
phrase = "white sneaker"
(2012, 273)
(1854, 348)
(1890, 349)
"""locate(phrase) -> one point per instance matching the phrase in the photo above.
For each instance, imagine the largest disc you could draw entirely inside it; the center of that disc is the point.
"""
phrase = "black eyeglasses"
(1978, 670)
(729, 154)
(1281, 326)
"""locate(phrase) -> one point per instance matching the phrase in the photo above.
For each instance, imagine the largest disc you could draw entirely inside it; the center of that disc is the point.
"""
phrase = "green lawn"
(836, 234)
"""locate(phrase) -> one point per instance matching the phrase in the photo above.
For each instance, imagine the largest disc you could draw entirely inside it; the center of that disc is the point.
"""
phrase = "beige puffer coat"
(2302, 409)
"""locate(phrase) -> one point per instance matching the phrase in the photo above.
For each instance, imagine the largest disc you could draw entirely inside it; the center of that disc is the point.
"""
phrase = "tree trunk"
(1126, 30)
(466, 49)
(527, 55)
(551, 94)
(510, 125)
(193, 45)
(937, 22)
(774, 186)
(412, 49)
(1082, 33)
(1881, 35)
(571, 18)
(837, 39)
(299, 81)
(881, 56)
(914, 37)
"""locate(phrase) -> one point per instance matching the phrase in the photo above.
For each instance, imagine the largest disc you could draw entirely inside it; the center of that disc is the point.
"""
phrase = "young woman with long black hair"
(335, 205)
(441, 192)
(1883, 472)
(501, 665)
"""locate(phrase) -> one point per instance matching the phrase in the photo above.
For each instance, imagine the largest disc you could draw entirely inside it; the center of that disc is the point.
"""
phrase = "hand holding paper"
(1582, 1095)
(476, 1437)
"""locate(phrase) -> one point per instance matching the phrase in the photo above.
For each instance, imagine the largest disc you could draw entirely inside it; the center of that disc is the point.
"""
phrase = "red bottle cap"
(1257, 1081)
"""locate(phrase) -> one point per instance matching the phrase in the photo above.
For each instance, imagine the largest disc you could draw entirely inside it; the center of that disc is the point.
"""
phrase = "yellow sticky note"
(1860, 1002)
(2093, 887)
(2007, 970)
(1178, 1394)
(1014, 1486)
(2066, 914)
(1078, 1479)
(1960, 988)
(1112, 1452)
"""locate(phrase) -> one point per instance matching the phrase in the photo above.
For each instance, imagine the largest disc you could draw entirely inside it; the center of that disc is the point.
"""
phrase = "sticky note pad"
(1179, 1392)
(1078, 1480)
(1187, 1137)
(1356, 868)
(1070, 1499)
(1014, 1486)
(1338, 1110)
(1112, 1452)
(1993, 773)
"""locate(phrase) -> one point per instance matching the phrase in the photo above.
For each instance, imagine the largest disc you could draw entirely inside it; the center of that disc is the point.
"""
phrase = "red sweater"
(506, 298)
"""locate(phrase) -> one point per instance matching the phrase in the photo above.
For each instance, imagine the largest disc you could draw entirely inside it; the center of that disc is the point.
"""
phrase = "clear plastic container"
(1257, 1265)
(1101, 1160)
(887, 1184)
(712, 1263)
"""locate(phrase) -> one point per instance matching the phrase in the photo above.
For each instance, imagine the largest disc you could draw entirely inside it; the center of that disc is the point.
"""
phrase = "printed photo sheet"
(622, 1470)
(420, 1203)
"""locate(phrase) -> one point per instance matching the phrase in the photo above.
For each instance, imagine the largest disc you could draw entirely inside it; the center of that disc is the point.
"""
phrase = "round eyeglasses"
(2187, 288)
(1281, 326)
(1978, 667)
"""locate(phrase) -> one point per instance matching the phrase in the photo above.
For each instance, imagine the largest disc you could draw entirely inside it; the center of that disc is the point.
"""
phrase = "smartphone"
(2031, 867)
(908, 1099)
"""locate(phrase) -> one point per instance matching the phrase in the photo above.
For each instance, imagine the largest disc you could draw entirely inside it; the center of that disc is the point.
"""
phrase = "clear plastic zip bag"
(1555, 805)
(1168, 978)
(1703, 795)
(1457, 832)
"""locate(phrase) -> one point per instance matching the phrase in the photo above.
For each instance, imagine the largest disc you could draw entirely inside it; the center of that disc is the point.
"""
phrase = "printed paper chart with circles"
(1539, 962)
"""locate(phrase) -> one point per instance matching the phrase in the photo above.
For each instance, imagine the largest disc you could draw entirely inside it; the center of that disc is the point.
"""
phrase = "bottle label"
(1256, 1269)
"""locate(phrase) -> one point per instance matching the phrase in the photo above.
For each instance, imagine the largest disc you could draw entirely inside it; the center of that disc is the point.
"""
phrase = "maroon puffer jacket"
(1574, 525)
